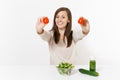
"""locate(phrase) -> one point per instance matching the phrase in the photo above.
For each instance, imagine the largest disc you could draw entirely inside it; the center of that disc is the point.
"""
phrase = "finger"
(41, 20)
(38, 21)
(86, 21)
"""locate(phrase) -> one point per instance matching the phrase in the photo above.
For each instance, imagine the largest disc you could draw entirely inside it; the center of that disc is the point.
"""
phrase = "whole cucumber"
(92, 73)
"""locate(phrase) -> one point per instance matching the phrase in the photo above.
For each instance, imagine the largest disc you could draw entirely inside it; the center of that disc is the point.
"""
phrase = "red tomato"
(45, 20)
(81, 21)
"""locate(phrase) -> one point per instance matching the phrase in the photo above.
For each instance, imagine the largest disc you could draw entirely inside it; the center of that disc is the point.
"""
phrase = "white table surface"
(48, 72)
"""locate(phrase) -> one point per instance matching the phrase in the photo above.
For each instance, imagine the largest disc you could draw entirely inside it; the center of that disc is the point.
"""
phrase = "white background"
(20, 44)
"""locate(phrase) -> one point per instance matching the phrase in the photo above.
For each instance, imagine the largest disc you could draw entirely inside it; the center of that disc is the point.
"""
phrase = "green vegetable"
(92, 73)
(65, 65)
(65, 68)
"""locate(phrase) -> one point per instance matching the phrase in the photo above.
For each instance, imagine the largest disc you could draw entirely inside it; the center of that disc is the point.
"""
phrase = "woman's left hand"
(85, 27)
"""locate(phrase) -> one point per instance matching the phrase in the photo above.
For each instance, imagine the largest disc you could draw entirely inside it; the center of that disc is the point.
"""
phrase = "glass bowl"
(64, 71)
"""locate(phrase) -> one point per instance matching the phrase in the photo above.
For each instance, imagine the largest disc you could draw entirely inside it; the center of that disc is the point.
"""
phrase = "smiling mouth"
(60, 23)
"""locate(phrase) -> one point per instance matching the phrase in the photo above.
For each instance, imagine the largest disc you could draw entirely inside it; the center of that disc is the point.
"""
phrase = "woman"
(61, 38)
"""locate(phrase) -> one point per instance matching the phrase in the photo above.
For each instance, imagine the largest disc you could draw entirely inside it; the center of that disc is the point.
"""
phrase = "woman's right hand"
(40, 25)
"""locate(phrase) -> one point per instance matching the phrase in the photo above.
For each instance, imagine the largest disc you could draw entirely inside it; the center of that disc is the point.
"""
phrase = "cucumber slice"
(92, 73)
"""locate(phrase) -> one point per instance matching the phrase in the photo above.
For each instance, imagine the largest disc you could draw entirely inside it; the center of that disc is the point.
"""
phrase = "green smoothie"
(92, 65)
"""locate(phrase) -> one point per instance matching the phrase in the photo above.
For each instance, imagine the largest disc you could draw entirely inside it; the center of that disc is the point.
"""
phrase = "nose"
(59, 19)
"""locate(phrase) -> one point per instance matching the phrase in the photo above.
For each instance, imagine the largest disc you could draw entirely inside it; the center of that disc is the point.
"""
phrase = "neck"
(61, 33)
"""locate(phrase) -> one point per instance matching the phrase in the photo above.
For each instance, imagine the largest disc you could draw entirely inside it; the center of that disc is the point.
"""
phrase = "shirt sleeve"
(78, 35)
(46, 35)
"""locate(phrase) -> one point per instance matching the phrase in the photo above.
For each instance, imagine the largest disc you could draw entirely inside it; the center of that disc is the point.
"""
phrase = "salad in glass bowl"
(65, 68)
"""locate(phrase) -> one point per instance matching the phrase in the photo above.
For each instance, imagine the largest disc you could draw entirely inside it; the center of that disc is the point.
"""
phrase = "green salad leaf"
(65, 67)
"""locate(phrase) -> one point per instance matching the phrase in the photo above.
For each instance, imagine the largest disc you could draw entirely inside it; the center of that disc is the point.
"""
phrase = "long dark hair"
(68, 31)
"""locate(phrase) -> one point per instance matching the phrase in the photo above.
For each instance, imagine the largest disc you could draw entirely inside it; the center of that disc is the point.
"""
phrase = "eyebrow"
(61, 15)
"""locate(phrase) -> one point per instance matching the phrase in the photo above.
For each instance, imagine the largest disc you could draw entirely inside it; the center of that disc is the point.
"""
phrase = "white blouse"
(59, 52)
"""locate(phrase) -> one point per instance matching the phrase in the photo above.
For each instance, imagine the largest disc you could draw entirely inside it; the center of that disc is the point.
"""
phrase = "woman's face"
(61, 19)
